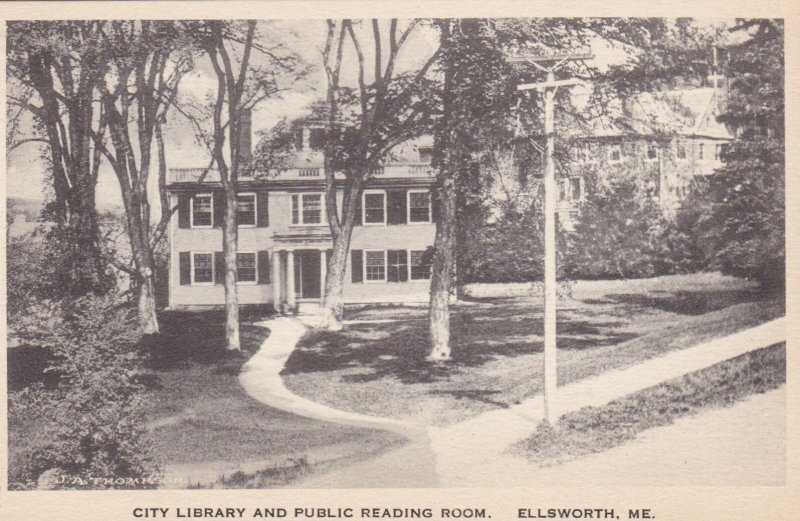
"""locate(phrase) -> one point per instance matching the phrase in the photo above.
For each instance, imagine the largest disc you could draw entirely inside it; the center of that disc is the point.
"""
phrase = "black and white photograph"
(395, 253)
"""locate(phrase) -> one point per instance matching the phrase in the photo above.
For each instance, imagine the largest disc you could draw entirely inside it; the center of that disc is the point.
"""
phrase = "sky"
(26, 172)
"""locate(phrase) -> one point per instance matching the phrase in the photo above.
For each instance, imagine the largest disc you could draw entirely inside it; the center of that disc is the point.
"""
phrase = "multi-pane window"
(700, 151)
(374, 208)
(202, 209)
(419, 207)
(307, 209)
(397, 265)
(680, 151)
(615, 154)
(375, 266)
(203, 269)
(652, 152)
(420, 265)
(245, 267)
(246, 209)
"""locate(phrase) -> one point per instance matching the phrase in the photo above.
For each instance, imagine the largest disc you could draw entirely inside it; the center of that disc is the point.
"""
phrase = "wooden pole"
(550, 293)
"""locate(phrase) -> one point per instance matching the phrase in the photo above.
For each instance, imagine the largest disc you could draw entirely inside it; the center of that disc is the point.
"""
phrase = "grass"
(596, 429)
(379, 367)
(200, 419)
(199, 413)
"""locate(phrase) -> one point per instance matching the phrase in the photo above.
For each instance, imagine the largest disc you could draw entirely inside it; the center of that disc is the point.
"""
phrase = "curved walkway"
(408, 466)
(472, 453)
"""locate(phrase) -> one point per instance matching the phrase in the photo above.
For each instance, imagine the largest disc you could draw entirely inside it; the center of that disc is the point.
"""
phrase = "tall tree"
(743, 226)
(363, 125)
(147, 62)
(477, 103)
(63, 63)
(241, 85)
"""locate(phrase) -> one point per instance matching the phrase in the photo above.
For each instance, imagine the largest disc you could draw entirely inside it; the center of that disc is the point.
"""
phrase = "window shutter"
(359, 210)
(396, 201)
(219, 208)
(219, 268)
(403, 262)
(357, 265)
(185, 267)
(184, 209)
(262, 206)
(263, 267)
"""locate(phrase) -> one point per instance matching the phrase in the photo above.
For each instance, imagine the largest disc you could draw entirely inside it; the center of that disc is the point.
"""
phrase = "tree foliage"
(90, 427)
(741, 228)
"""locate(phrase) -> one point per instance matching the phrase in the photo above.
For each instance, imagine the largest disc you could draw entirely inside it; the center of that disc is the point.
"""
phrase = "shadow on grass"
(198, 337)
(398, 349)
(687, 302)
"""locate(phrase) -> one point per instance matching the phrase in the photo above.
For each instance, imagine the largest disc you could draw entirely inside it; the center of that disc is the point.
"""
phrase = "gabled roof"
(690, 112)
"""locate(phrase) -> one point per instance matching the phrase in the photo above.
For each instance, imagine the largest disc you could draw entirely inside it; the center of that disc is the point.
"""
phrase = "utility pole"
(550, 63)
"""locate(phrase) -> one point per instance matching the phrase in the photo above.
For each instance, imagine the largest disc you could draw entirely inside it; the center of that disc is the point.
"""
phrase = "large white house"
(284, 238)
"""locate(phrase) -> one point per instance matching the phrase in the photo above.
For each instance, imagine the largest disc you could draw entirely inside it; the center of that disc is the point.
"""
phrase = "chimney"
(245, 136)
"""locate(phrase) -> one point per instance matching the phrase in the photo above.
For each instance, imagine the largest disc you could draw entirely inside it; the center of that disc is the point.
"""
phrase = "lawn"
(201, 420)
(377, 365)
(203, 428)
(596, 429)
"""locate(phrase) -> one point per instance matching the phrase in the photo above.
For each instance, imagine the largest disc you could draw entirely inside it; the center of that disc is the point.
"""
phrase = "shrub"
(620, 233)
(89, 428)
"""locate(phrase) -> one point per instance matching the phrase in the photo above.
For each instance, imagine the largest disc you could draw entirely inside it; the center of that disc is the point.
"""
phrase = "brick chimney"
(246, 136)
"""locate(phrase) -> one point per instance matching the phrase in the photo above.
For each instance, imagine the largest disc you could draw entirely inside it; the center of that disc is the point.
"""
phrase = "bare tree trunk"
(229, 247)
(441, 274)
(146, 303)
(333, 302)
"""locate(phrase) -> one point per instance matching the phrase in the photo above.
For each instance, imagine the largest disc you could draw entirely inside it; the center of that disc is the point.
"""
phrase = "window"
(615, 154)
(397, 265)
(419, 206)
(425, 155)
(307, 209)
(570, 189)
(245, 267)
(316, 139)
(700, 151)
(575, 188)
(375, 266)
(421, 265)
(680, 151)
(298, 139)
(203, 268)
(719, 151)
(246, 209)
(374, 208)
(584, 153)
(202, 211)
(652, 152)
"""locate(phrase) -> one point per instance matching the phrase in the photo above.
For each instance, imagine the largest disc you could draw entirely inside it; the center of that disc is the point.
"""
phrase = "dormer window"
(426, 155)
(615, 154)
(298, 139)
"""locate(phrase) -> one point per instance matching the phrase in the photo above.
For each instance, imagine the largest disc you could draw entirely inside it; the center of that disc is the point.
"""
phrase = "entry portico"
(299, 268)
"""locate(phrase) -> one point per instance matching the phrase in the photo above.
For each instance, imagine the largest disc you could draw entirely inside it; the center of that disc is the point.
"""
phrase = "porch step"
(308, 308)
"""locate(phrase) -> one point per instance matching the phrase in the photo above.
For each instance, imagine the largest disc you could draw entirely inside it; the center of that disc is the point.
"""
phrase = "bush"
(89, 428)
(620, 232)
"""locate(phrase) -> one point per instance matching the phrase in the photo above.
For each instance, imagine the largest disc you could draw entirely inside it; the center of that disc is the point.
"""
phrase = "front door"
(309, 273)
